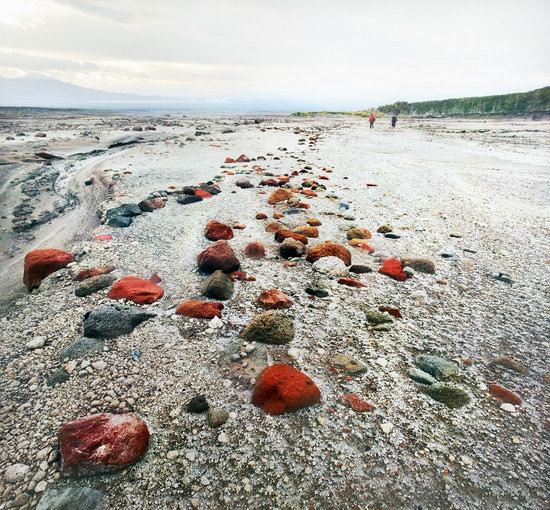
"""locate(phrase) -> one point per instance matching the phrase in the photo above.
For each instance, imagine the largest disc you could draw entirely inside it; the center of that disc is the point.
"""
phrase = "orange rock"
(261, 216)
(394, 269)
(351, 282)
(202, 193)
(279, 195)
(309, 193)
(306, 230)
(273, 226)
(314, 222)
(356, 403)
(283, 233)
(274, 299)
(278, 216)
(329, 249)
(136, 289)
(359, 233)
(197, 309)
(41, 263)
(239, 226)
(90, 273)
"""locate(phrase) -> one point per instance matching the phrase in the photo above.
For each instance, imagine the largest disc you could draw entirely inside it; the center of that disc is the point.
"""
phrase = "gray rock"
(503, 277)
(348, 364)
(82, 347)
(317, 289)
(16, 472)
(376, 317)
(360, 269)
(36, 343)
(110, 321)
(94, 284)
(241, 182)
(71, 498)
(217, 416)
(434, 365)
(218, 286)
(421, 377)
(422, 265)
(122, 215)
(270, 328)
(291, 248)
(188, 199)
(58, 376)
(451, 396)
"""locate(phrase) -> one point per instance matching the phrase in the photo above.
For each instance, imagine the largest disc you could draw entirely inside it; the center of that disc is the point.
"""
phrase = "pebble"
(509, 408)
(36, 343)
(386, 427)
(99, 365)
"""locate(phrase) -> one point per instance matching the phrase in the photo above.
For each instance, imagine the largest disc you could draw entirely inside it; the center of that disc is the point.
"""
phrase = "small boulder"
(281, 388)
(422, 265)
(348, 364)
(254, 250)
(216, 231)
(243, 183)
(434, 365)
(94, 284)
(218, 256)
(151, 204)
(360, 269)
(197, 309)
(329, 249)
(69, 498)
(291, 248)
(135, 289)
(82, 347)
(242, 159)
(110, 321)
(451, 396)
(218, 286)
(333, 267)
(217, 416)
(269, 327)
(274, 299)
(102, 443)
(279, 195)
(392, 267)
(40, 263)
(306, 230)
(358, 233)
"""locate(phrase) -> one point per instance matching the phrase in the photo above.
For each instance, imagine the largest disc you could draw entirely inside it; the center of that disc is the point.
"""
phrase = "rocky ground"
(458, 208)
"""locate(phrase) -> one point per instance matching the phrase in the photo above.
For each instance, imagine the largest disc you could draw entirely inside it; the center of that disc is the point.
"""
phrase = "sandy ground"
(485, 180)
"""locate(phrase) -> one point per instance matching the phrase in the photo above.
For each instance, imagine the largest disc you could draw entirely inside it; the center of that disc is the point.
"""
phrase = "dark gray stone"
(94, 284)
(71, 498)
(189, 199)
(218, 286)
(110, 321)
(434, 365)
(81, 348)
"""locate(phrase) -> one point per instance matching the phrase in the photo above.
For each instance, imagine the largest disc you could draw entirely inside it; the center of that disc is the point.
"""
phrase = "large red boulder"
(136, 289)
(274, 299)
(94, 271)
(216, 231)
(255, 250)
(218, 256)
(281, 388)
(329, 249)
(101, 443)
(197, 309)
(41, 263)
(394, 269)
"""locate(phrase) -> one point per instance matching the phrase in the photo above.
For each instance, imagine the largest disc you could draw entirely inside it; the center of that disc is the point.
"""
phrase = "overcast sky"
(348, 52)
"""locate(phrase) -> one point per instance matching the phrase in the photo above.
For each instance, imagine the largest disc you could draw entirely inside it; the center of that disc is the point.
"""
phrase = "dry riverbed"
(471, 197)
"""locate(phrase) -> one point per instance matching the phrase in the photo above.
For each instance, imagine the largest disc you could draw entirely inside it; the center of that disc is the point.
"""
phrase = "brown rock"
(254, 250)
(216, 231)
(329, 249)
(274, 299)
(218, 256)
(279, 195)
(306, 230)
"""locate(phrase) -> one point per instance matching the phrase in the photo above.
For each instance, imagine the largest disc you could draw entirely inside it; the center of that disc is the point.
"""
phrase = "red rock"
(323, 177)
(281, 388)
(309, 193)
(255, 250)
(155, 278)
(329, 249)
(394, 269)
(356, 403)
(504, 395)
(279, 195)
(351, 282)
(229, 160)
(273, 226)
(215, 231)
(218, 256)
(302, 205)
(261, 216)
(362, 244)
(239, 226)
(201, 193)
(136, 289)
(394, 312)
(283, 233)
(101, 443)
(269, 182)
(242, 159)
(274, 299)
(241, 275)
(197, 309)
(104, 237)
(41, 263)
(95, 271)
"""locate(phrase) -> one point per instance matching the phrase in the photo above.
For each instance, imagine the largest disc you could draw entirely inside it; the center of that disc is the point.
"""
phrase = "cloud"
(121, 11)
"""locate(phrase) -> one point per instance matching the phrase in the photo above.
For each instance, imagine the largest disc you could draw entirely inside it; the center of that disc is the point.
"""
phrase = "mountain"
(48, 92)
(535, 101)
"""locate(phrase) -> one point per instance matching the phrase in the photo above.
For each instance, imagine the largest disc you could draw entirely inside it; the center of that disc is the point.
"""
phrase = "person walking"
(393, 120)
(372, 118)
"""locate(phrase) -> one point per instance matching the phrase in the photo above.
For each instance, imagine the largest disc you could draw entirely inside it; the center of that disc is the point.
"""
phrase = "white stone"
(383, 362)
(171, 455)
(191, 456)
(509, 408)
(331, 266)
(223, 438)
(36, 343)
(386, 427)
(205, 481)
(466, 460)
(99, 365)
(216, 322)
(41, 486)
(16, 472)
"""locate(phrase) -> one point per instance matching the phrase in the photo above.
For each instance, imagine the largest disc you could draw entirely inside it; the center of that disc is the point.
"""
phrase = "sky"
(326, 52)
